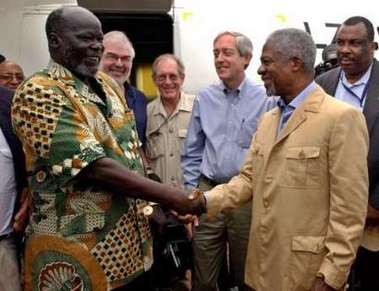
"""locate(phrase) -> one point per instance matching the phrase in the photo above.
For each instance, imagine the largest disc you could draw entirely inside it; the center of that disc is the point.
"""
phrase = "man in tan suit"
(306, 170)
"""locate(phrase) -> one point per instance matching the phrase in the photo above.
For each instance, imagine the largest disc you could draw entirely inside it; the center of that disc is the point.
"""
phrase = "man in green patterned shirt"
(87, 230)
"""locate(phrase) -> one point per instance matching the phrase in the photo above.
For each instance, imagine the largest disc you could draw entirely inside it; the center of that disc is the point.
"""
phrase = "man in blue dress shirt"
(224, 118)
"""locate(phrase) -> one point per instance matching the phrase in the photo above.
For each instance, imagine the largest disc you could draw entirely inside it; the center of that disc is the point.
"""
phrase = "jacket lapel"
(312, 103)
(371, 108)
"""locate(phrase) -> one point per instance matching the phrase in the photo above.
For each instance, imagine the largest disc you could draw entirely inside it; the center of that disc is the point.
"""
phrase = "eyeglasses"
(115, 58)
(162, 78)
(9, 77)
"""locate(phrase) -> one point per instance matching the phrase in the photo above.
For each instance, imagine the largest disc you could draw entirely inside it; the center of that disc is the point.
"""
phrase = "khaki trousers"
(10, 278)
(210, 242)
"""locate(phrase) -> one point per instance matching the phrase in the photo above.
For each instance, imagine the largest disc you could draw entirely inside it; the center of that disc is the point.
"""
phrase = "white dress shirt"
(8, 192)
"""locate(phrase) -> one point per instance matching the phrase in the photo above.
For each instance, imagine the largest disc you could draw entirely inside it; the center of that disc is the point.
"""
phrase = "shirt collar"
(362, 81)
(63, 74)
(228, 91)
(181, 106)
(298, 99)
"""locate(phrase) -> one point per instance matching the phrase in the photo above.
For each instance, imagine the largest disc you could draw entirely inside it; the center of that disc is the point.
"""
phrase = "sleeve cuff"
(332, 276)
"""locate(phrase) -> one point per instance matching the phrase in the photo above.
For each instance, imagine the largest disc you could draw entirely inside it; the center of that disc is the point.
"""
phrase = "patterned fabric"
(79, 237)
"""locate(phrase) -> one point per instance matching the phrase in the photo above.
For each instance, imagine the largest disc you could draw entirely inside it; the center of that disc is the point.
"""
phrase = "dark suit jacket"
(137, 101)
(329, 81)
(15, 145)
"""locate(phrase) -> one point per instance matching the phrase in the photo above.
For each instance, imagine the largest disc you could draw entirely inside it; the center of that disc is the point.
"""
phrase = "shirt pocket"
(182, 134)
(302, 166)
(312, 244)
(307, 253)
(154, 145)
(244, 137)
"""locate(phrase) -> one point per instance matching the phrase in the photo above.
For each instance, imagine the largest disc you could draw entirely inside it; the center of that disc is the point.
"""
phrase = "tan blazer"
(309, 186)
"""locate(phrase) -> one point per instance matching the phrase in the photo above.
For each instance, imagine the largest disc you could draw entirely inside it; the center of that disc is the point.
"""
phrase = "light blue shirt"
(220, 131)
(359, 88)
(289, 108)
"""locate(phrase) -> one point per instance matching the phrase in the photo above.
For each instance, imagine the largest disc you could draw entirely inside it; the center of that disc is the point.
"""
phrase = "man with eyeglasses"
(14, 193)
(117, 62)
(11, 74)
(167, 120)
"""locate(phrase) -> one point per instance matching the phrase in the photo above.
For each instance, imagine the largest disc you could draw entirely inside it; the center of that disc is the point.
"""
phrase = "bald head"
(75, 40)
(66, 16)
(11, 74)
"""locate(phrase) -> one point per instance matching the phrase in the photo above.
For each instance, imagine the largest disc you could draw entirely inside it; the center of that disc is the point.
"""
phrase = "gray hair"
(243, 43)
(294, 43)
(181, 69)
(119, 36)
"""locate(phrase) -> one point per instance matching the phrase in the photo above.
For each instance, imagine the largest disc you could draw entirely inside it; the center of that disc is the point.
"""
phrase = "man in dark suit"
(356, 82)
(117, 62)
(13, 195)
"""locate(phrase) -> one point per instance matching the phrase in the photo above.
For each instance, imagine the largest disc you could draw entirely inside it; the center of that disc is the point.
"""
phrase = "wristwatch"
(148, 210)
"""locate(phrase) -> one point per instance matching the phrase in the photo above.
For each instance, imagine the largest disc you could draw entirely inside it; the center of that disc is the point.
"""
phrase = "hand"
(188, 218)
(189, 227)
(189, 230)
(320, 285)
(192, 202)
(22, 215)
(372, 216)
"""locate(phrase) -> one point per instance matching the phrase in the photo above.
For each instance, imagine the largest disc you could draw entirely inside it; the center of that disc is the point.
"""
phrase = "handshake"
(194, 203)
(189, 205)
(184, 204)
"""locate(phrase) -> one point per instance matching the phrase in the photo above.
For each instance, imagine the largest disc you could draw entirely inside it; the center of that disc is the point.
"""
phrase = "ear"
(247, 60)
(297, 63)
(373, 47)
(53, 40)
(182, 78)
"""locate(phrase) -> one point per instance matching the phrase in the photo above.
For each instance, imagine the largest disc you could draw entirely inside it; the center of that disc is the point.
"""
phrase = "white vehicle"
(183, 27)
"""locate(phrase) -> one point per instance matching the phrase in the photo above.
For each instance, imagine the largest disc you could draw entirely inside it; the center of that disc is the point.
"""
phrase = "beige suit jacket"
(308, 187)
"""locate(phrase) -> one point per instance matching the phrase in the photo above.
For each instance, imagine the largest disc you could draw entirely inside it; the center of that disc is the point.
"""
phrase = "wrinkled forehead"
(7, 67)
(118, 47)
(352, 31)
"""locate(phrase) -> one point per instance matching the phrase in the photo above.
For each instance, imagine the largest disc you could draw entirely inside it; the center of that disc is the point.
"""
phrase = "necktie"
(286, 114)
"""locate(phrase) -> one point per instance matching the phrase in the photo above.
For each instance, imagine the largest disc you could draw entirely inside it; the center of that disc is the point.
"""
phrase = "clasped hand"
(191, 206)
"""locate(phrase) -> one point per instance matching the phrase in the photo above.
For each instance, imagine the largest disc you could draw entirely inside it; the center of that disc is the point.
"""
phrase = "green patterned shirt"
(79, 237)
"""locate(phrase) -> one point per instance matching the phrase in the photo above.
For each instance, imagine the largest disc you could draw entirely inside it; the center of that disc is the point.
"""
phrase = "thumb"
(194, 194)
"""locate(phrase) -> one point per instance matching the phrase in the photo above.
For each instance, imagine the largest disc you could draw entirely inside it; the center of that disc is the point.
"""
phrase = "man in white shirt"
(13, 195)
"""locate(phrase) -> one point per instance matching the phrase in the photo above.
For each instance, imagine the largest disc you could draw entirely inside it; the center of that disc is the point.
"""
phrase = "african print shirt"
(79, 238)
